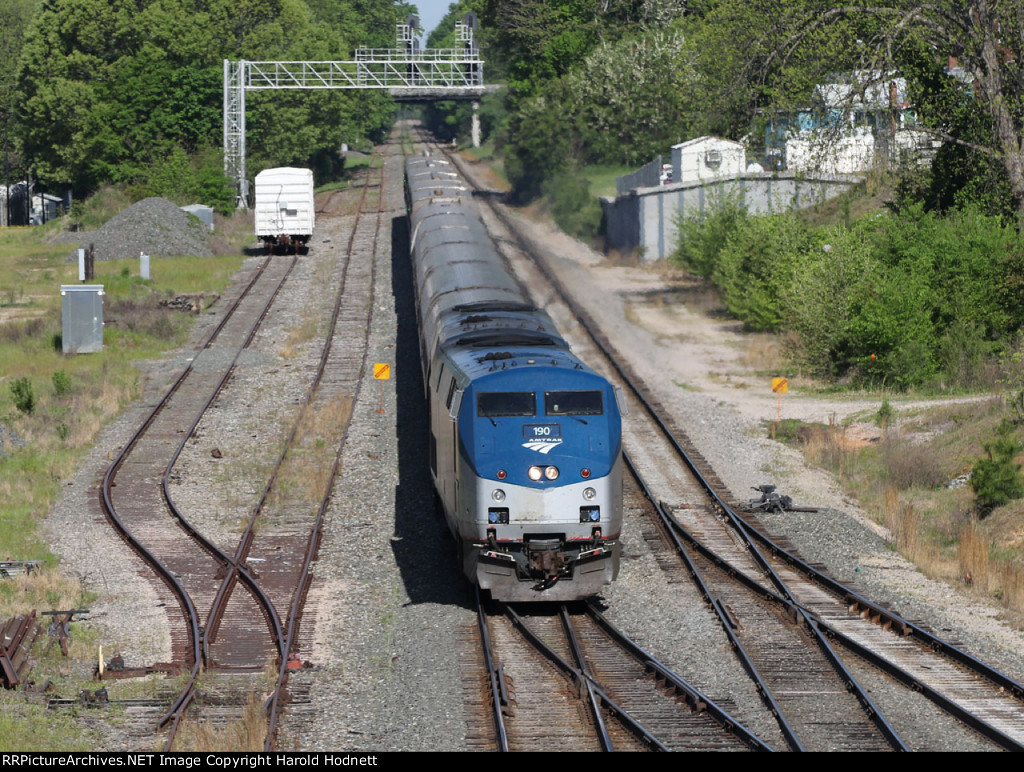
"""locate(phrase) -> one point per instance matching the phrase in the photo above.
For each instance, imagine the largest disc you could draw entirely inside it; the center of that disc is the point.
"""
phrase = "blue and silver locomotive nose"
(543, 504)
(525, 439)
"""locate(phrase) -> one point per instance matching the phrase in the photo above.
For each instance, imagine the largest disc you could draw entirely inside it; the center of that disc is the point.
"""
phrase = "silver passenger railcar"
(525, 439)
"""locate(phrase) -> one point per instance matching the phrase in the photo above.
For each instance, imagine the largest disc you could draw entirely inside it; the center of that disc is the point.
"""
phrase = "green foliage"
(131, 92)
(997, 479)
(575, 210)
(186, 179)
(913, 299)
(543, 146)
(752, 260)
(757, 265)
(886, 412)
(636, 97)
(61, 383)
(24, 396)
(701, 239)
(624, 102)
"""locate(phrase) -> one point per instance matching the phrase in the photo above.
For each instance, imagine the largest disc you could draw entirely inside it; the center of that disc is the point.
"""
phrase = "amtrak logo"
(542, 446)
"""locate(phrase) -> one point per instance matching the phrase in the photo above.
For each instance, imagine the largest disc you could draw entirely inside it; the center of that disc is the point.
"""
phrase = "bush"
(701, 240)
(576, 211)
(61, 383)
(24, 396)
(997, 479)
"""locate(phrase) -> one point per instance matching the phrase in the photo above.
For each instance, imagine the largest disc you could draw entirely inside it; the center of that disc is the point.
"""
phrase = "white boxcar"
(284, 210)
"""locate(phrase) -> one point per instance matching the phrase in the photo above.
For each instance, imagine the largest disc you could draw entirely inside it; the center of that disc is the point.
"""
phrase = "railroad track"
(988, 701)
(241, 595)
(563, 678)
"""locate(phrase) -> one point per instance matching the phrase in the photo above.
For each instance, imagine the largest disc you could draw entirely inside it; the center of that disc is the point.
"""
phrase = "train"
(284, 211)
(525, 442)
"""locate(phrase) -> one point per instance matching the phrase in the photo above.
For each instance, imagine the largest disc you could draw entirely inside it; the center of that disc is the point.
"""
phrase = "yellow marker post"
(381, 372)
(780, 386)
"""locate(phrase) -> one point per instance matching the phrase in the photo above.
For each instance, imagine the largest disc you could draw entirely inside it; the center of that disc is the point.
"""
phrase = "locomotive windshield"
(505, 403)
(573, 403)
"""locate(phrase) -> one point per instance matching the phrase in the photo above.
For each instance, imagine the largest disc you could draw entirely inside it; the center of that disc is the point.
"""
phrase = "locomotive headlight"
(535, 473)
(589, 494)
(551, 472)
(498, 495)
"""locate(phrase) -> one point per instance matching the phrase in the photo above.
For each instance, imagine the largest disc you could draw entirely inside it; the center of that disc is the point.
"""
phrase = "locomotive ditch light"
(498, 495)
(590, 514)
(589, 494)
(551, 472)
(535, 473)
(497, 515)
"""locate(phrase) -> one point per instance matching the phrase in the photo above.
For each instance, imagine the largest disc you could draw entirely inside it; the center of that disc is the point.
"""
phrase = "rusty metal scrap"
(18, 634)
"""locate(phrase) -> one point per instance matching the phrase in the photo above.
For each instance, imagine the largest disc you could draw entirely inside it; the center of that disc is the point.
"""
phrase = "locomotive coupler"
(547, 561)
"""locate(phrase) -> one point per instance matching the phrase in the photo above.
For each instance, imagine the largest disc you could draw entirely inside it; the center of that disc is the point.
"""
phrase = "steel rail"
(231, 563)
(590, 327)
(262, 600)
(295, 610)
(691, 695)
(582, 680)
(581, 663)
(927, 639)
(746, 661)
(107, 484)
(924, 638)
(499, 697)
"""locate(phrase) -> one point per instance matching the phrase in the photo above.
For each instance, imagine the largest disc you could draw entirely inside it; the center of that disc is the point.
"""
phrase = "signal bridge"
(408, 73)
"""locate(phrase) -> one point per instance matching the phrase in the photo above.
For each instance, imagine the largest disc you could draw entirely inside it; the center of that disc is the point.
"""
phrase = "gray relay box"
(82, 318)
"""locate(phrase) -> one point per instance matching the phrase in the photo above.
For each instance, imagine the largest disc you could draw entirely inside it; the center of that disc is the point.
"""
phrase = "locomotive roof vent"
(494, 356)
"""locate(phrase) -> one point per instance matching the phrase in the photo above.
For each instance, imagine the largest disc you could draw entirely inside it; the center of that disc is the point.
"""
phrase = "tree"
(778, 50)
(110, 88)
(16, 15)
(996, 479)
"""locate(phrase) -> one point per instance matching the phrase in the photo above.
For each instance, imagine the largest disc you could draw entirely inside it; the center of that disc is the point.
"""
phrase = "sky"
(431, 13)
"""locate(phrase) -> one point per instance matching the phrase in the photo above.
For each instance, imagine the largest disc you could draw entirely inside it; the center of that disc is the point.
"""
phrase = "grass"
(70, 409)
(246, 734)
(602, 178)
(305, 474)
(900, 480)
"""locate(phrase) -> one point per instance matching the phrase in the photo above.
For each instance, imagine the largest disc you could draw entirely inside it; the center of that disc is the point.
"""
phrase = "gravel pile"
(153, 226)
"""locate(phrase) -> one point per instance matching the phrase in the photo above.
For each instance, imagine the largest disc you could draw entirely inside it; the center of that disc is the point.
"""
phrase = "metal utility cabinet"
(82, 318)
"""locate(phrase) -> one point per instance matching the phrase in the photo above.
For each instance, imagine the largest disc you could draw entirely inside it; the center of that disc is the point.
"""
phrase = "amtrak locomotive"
(525, 439)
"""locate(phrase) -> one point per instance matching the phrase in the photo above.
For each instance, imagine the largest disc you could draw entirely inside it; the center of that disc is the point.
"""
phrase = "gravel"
(153, 226)
(388, 615)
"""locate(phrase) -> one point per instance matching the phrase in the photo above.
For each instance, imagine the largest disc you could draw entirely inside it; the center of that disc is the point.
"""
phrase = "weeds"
(24, 396)
(903, 483)
(247, 734)
(61, 383)
(997, 480)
